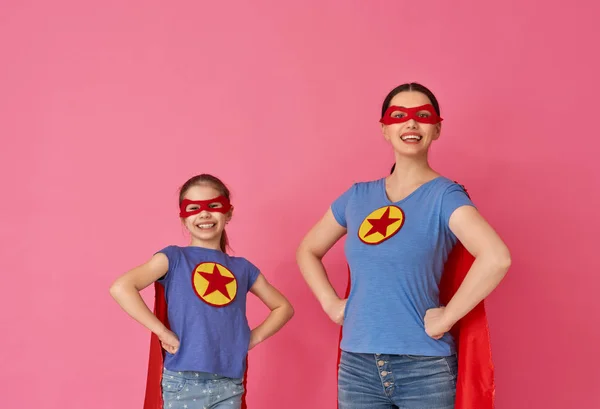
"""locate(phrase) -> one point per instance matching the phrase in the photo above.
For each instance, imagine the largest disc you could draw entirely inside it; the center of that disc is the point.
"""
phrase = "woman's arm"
(309, 255)
(281, 311)
(492, 261)
(126, 291)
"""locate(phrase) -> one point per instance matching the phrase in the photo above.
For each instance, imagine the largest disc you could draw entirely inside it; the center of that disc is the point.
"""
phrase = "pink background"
(107, 108)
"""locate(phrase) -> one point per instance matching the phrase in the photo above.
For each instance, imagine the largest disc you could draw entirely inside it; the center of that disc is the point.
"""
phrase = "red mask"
(424, 114)
(189, 208)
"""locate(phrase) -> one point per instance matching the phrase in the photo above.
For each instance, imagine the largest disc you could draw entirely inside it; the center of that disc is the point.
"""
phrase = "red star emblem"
(216, 282)
(380, 225)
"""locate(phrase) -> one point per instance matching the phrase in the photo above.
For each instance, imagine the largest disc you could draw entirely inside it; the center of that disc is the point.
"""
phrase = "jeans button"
(380, 363)
(384, 373)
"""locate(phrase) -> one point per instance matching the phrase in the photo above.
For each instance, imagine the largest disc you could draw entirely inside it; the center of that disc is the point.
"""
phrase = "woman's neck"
(408, 176)
(409, 172)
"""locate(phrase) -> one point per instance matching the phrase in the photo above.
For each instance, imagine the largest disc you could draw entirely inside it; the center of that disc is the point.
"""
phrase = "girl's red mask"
(189, 208)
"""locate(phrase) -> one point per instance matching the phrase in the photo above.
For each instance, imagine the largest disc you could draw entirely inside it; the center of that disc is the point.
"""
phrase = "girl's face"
(206, 227)
(412, 137)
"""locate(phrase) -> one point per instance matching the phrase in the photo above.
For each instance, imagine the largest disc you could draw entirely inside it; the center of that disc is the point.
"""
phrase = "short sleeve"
(172, 253)
(338, 207)
(454, 197)
(253, 273)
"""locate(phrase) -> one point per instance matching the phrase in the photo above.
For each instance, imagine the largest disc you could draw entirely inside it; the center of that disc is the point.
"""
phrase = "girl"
(396, 348)
(205, 291)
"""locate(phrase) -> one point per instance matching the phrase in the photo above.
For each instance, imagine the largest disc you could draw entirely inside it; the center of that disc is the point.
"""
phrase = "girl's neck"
(211, 245)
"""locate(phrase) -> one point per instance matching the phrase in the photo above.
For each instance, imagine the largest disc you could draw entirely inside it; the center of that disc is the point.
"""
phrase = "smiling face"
(410, 123)
(205, 212)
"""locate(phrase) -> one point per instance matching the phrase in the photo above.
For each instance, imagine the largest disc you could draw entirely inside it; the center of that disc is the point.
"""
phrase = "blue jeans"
(368, 381)
(199, 390)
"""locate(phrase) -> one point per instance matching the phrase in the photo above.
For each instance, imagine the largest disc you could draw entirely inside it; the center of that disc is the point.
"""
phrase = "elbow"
(116, 289)
(304, 252)
(292, 312)
(301, 252)
(289, 311)
(502, 261)
(285, 311)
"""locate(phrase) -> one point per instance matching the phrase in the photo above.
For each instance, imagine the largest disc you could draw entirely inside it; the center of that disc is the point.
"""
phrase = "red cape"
(475, 384)
(153, 399)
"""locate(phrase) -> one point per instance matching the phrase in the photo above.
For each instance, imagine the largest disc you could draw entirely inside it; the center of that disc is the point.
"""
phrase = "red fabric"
(475, 385)
(153, 398)
(204, 205)
(411, 113)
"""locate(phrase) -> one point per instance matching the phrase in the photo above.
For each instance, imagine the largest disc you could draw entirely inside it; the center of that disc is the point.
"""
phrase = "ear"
(229, 214)
(438, 131)
(383, 131)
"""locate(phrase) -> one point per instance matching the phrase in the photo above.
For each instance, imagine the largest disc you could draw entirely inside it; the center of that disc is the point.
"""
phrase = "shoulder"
(362, 188)
(170, 250)
(369, 184)
(241, 261)
(448, 186)
(250, 271)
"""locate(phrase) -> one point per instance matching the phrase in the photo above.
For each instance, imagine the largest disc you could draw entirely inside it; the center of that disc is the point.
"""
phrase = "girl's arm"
(126, 291)
(281, 311)
(309, 255)
(492, 261)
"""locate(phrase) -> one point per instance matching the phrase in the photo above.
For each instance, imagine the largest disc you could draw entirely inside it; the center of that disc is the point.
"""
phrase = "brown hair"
(206, 179)
(411, 86)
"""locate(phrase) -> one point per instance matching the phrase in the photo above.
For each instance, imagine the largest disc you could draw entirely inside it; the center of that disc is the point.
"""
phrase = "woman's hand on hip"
(335, 310)
(436, 322)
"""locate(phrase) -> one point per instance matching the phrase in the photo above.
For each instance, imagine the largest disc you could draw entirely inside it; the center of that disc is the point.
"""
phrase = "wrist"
(160, 330)
(329, 302)
(255, 336)
(449, 318)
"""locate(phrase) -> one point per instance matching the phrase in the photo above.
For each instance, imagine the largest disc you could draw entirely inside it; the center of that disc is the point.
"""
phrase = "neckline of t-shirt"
(202, 248)
(387, 199)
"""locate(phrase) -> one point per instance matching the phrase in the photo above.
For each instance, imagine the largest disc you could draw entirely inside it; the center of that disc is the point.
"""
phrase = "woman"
(396, 349)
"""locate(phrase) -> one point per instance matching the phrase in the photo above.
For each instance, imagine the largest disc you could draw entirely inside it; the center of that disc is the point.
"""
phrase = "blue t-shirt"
(205, 291)
(396, 252)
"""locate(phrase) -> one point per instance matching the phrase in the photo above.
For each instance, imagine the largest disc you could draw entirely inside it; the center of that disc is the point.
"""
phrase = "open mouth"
(206, 225)
(411, 138)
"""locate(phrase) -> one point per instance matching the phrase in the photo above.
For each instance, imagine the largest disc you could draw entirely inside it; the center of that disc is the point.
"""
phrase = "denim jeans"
(379, 381)
(199, 390)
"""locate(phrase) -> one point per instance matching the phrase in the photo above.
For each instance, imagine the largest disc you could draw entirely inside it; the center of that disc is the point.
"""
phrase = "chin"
(411, 152)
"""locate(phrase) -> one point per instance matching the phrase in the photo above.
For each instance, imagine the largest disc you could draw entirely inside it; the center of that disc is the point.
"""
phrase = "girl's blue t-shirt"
(205, 291)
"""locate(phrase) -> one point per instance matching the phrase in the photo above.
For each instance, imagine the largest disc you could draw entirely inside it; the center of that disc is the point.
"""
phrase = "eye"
(191, 208)
(216, 205)
(398, 114)
(424, 114)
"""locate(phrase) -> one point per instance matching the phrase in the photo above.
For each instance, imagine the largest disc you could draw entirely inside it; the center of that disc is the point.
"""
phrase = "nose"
(204, 214)
(411, 123)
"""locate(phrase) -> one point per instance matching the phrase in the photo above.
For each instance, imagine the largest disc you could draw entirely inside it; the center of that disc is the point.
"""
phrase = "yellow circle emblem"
(381, 225)
(214, 284)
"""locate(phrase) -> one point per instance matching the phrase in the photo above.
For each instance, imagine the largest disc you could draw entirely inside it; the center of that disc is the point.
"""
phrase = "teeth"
(411, 137)
(206, 225)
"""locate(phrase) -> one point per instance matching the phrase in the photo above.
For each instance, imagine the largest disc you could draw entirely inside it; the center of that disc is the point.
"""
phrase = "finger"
(167, 347)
